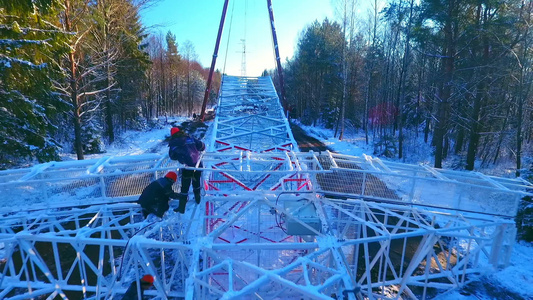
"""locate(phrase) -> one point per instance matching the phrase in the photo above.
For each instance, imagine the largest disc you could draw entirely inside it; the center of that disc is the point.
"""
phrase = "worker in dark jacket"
(186, 150)
(133, 292)
(155, 197)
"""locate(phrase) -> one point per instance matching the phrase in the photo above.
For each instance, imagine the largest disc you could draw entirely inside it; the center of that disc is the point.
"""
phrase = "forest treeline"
(78, 72)
(455, 73)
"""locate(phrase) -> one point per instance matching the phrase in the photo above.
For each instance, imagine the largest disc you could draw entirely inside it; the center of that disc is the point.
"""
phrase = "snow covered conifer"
(29, 41)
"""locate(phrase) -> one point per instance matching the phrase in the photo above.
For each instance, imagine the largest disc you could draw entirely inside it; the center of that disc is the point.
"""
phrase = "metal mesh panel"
(78, 183)
(339, 176)
(12, 175)
(120, 185)
(20, 194)
(355, 183)
(373, 179)
(468, 179)
(67, 173)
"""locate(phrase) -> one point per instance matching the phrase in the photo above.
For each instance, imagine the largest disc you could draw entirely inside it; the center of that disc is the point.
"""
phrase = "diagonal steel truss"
(75, 232)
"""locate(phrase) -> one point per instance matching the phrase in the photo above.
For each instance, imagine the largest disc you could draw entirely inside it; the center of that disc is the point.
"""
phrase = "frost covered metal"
(373, 229)
(250, 117)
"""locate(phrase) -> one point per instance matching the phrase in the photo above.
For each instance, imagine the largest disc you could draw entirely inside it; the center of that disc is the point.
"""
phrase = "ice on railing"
(81, 182)
(374, 179)
(336, 175)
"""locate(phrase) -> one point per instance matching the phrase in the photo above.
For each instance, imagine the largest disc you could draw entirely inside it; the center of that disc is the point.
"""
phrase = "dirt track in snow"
(346, 182)
(305, 142)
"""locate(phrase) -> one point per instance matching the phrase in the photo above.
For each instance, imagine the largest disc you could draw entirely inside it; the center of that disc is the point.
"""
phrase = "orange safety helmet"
(174, 130)
(172, 175)
(148, 279)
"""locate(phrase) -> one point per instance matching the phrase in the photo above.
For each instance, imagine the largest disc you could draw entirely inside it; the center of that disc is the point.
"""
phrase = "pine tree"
(118, 34)
(317, 69)
(104, 34)
(173, 64)
(132, 68)
(29, 41)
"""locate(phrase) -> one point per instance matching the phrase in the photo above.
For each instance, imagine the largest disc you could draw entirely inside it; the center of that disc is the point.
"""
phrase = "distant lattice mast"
(243, 58)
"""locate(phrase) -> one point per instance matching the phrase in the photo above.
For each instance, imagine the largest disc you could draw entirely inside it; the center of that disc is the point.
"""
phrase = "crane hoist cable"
(229, 36)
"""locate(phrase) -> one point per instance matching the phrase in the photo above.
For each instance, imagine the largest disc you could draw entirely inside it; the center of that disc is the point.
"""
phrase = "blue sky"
(198, 22)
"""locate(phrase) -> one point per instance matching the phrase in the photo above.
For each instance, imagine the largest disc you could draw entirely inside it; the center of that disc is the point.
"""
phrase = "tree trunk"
(76, 119)
(480, 96)
(163, 93)
(344, 71)
(522, 95)
(427, 129)
(519, 130)
(474, 131)
(460, 140)
(108, 103)
(78, 145)
(108, 107)
(500, 139)
(365, 115)
(403, 76)
(446, 86)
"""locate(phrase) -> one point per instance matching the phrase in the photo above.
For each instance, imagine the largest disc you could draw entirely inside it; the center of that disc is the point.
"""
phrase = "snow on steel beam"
(247, 110)
(416, 185)
(370, 215)
(99, 166)
(121, 180)
(347, 178)
(36, 170)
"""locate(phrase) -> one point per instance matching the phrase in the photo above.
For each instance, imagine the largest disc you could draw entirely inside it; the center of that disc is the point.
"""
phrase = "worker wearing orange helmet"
(186, 150)
(136, 293)
(155, 197)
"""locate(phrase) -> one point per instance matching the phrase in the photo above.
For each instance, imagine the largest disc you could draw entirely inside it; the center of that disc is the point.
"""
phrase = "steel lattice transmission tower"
(274, 222)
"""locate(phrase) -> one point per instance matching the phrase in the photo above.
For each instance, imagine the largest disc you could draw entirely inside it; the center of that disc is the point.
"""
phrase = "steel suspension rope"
(229, 36)
(278, 61)
(214, 60)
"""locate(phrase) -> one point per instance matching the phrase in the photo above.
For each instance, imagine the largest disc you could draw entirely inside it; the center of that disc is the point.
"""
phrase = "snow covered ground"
(514, 282)
(415, 151)
(134, 142)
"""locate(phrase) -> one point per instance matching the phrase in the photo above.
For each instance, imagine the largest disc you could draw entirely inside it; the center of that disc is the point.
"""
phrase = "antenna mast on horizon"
(243, 58)
(243, 40)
